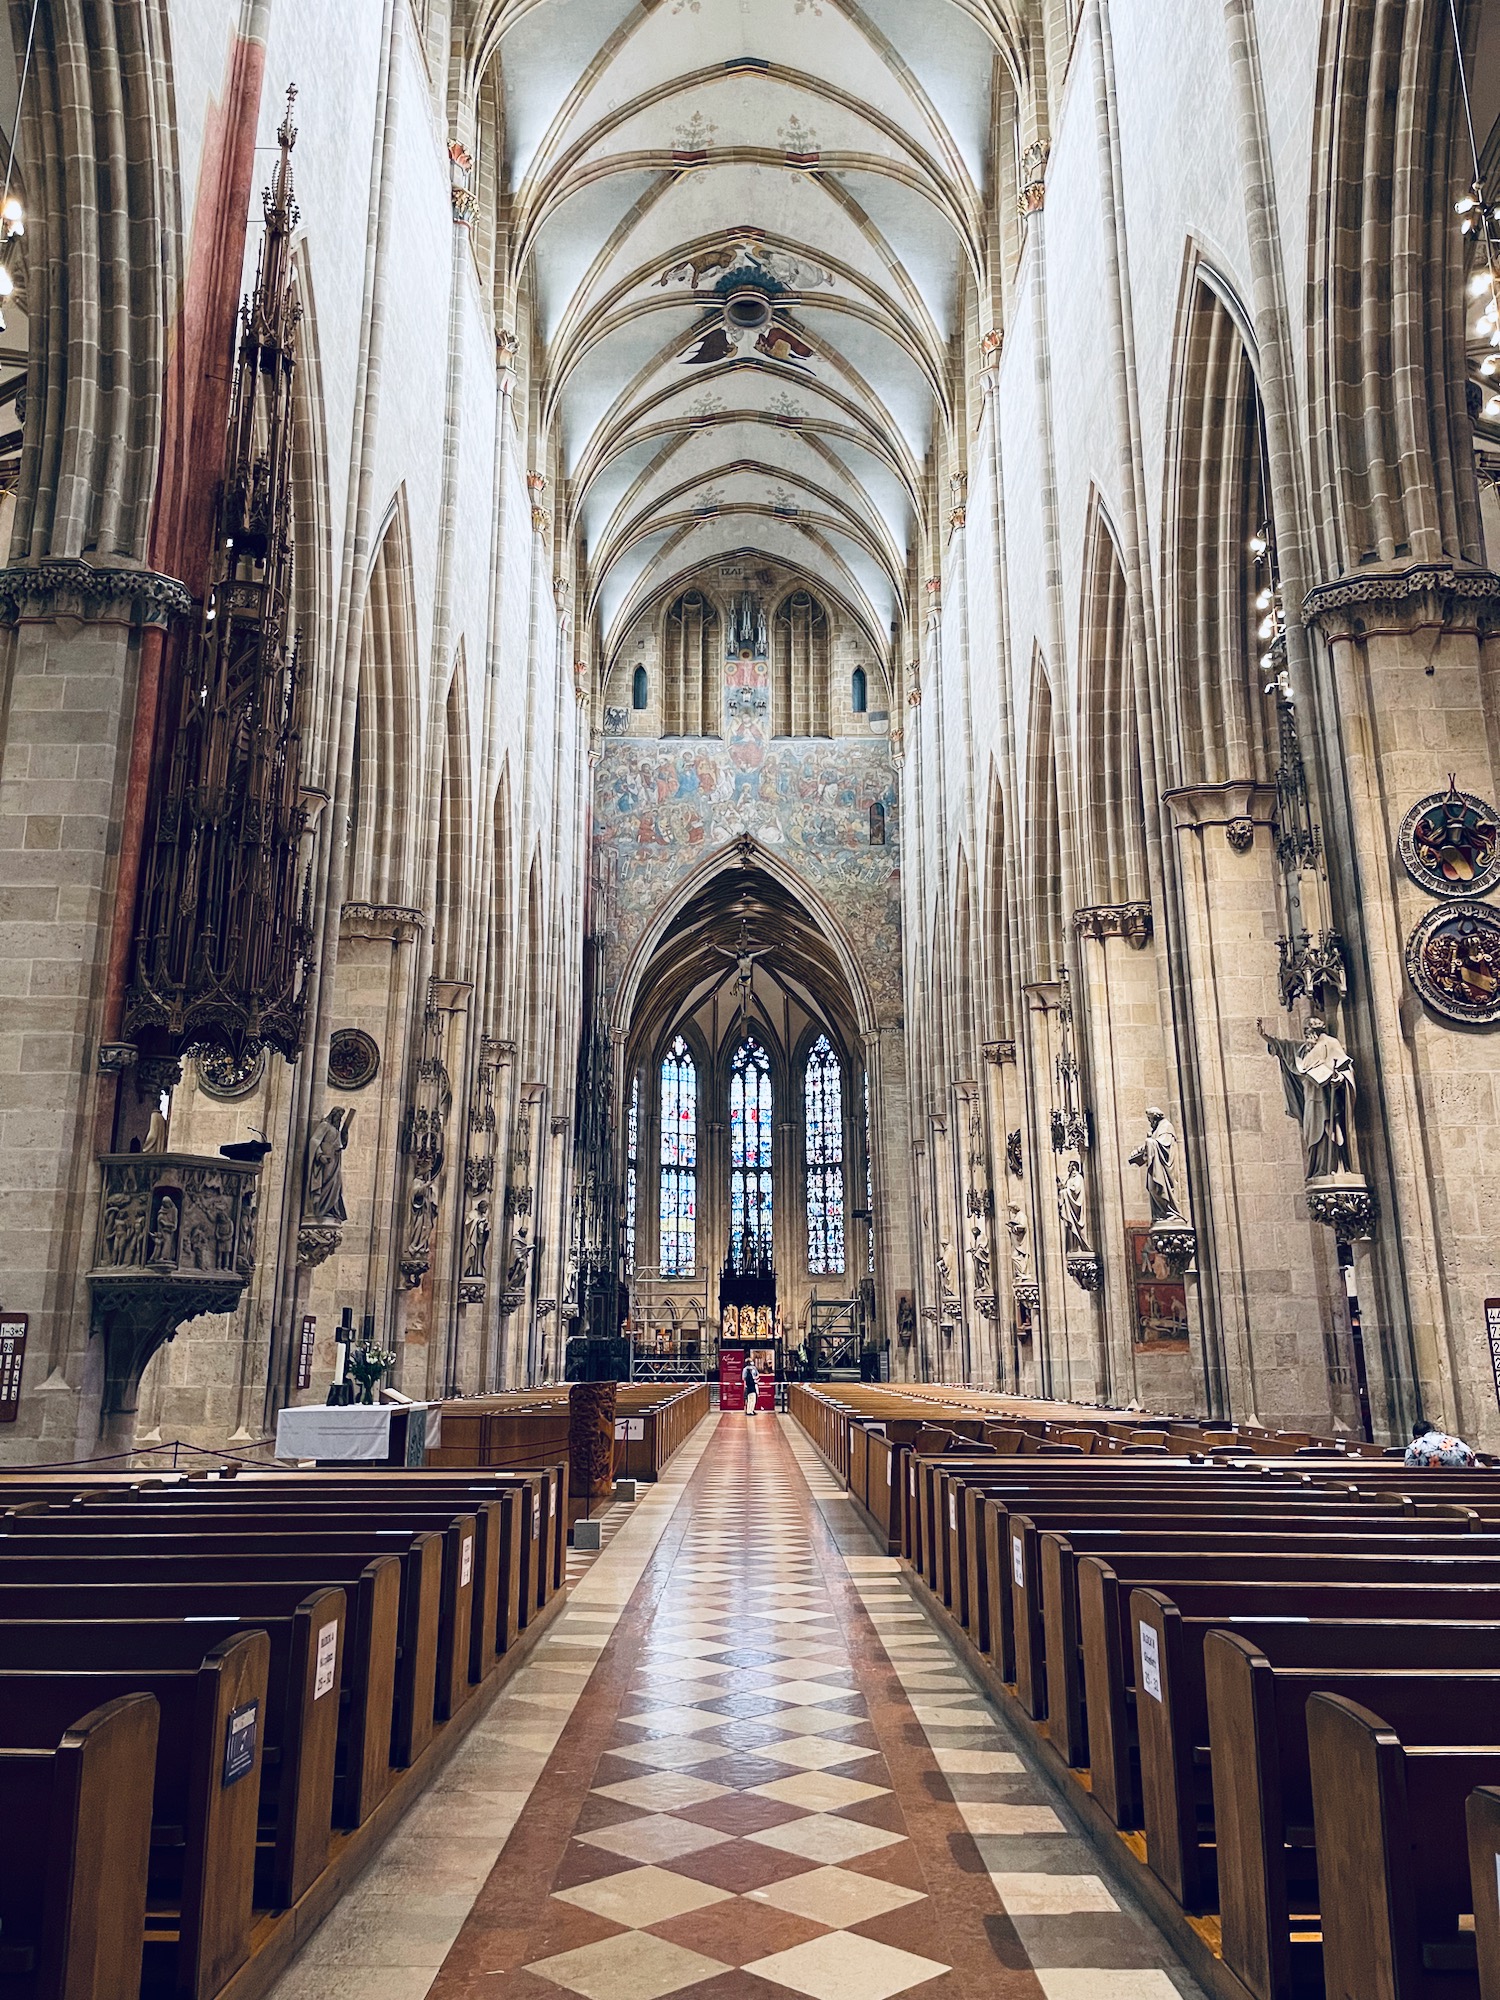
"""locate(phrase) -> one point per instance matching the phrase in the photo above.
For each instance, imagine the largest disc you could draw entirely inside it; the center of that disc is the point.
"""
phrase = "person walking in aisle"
(752, 1387)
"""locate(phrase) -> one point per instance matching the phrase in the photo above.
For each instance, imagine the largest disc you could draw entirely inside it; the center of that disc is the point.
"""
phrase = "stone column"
(1068, 1341)
(1416, 689)
(1267, 1272)
(1119, 1020)
(73, 640)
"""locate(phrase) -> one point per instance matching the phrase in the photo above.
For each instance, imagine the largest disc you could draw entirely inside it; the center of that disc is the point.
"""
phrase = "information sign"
(239, 1742)
(12, 1357)
(305, 1350)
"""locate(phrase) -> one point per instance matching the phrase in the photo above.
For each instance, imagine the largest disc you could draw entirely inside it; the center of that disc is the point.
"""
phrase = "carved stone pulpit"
(176, 1238)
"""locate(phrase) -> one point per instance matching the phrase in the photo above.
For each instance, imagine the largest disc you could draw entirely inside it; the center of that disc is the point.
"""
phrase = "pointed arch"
(534, 1044)
(1393, 438)
(800, 662)
(744, 853)
(503, 899)
(692, 668)
(751, 1149)
(1111, 811)
(965, 1022)
(1044, 903)
(382, 815)
(996, 972)
(677, 1201)
(823, 1112)
(452, 900)
(1218, 505)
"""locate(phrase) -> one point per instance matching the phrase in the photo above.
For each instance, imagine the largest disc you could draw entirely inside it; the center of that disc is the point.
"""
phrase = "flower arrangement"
(368, 1365)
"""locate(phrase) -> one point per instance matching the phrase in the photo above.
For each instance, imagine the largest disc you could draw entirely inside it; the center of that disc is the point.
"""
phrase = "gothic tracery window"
(679, 1162)
(823, 1109)
(750, 1158)
(632, 1158)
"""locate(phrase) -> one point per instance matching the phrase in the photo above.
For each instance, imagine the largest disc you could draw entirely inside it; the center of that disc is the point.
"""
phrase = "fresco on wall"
(662, 804)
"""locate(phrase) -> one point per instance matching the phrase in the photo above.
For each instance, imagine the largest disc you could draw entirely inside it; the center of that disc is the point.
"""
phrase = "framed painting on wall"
(1161, 1317)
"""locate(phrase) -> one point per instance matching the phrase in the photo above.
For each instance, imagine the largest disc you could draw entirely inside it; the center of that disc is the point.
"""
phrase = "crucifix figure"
(744, 967)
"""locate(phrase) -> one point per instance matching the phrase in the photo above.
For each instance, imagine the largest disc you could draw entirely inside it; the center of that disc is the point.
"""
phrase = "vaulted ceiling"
(748, 229)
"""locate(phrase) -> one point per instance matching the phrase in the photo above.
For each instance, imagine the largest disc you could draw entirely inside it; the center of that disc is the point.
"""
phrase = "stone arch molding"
(746, 852)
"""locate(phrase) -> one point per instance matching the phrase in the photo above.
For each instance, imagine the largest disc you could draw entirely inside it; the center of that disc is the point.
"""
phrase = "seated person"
(1432, 1446)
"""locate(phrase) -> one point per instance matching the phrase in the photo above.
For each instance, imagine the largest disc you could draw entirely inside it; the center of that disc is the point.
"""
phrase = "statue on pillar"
(325, 1166)
(1020, 1248)
(476, 1239)
(1318, 1076)
(1155, 1154)
(1071, 1195)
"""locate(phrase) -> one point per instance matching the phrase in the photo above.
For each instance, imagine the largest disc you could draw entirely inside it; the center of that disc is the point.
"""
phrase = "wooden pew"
(367, 1655)
(1271, 1894)
(203, 1816)
(229, 1557)
(75, 1845)
(1172, 1708)
(1109, 1645)
(393, 1600)
(1049, 1646)
(467, 1540)
(1483, 1823)
(299, 1733)
(1393, 1857)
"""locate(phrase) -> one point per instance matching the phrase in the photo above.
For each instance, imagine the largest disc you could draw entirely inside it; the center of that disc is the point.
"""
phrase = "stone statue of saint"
(979, 1250)
(1154, 1153)
(945, 1270)
(476, 1239)
(1020, 1248)
(520, 1256)
(1318, 1075)
(155, 1140)
(1071, 1194)
(424, 1214)
(325, 1166)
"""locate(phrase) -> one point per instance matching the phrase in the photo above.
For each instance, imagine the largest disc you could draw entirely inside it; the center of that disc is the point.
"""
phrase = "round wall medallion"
(226, 1077)
(1450, 843)
(353, 1058)
(1453, 960)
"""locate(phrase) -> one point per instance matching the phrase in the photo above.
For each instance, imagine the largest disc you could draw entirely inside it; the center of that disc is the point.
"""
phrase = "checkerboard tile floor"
(771, 1776)
(758, 1771)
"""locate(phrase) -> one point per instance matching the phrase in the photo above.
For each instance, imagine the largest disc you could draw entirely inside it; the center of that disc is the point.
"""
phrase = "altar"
(359, 1433)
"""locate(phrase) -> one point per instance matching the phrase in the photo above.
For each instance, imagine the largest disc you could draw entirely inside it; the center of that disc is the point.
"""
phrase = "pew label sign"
(1491, 1327)
(328, 1653)
(239, 1742)
(466, 1569)
(1017, 1562)
(13, 1328)
(1150, 1662)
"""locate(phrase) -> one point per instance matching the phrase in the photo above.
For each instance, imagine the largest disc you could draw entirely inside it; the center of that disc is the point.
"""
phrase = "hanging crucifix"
(744, 969)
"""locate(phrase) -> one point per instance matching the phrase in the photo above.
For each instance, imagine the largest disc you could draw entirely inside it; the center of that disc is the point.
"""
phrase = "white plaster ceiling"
(827, 155)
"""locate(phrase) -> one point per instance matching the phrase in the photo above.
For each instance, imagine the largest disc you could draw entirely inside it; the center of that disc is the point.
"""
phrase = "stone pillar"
(73, 639)
(1268, 1273)
(1119, 1023)
(1069, 1359)
(1416, 689)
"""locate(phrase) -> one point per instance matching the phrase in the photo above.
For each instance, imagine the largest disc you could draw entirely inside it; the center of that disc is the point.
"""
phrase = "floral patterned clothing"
(1438, 1448)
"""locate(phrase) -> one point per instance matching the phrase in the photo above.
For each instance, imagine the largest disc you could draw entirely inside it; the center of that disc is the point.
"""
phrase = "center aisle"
(777, 1780)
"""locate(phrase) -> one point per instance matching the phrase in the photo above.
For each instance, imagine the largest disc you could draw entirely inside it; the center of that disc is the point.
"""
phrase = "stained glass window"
(632, 1156)
(750, 1159)
(679, 1162)
(823, 1096)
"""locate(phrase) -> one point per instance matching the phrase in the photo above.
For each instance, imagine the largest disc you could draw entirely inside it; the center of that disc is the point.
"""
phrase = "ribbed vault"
(748, 236)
